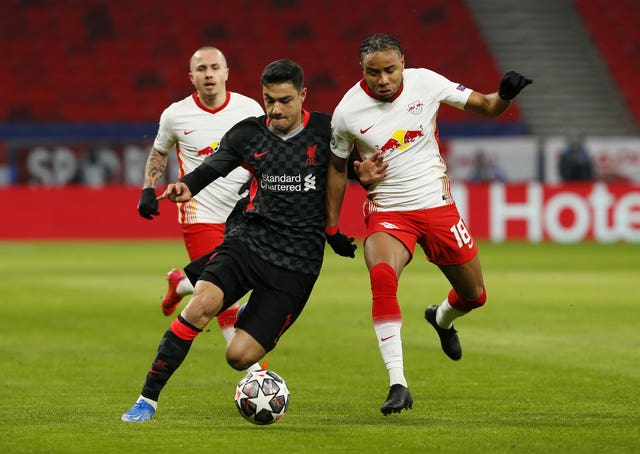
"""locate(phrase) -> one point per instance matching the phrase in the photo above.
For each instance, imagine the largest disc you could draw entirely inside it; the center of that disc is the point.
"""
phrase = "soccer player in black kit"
(276, 246)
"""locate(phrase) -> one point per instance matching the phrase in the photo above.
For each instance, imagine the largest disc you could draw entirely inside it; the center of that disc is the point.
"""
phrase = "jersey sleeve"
(341, 139)
(228, 156)
(451, 93)
(165, 139)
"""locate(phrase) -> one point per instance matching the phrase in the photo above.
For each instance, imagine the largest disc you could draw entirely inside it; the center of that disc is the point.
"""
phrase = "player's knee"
(237, 363)
(238, 359)
(199, 311)
(384, 280)
(480, 296)
(384, 288)
(204, 304)
(243, 351)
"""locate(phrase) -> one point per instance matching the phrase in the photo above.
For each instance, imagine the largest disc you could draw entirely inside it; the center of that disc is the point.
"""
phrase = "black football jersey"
(285, 214)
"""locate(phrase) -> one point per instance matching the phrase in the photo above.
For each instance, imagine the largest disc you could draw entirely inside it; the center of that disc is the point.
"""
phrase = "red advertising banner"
(496, 212)
(110, 212)
(566, 213)
(80, 212)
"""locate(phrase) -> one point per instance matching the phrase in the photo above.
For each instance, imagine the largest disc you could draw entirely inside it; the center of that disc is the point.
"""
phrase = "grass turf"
(550, 364)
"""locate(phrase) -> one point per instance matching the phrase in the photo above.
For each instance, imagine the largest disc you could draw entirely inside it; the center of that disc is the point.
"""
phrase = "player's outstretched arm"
(190, 184)
(176, 192)
(495, 104)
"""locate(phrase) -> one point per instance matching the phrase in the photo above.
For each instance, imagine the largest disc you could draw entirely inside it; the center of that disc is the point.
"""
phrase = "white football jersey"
(405, 131)
(195, 132)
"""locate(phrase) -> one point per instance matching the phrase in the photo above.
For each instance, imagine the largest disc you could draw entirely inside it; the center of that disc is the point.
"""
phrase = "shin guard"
(384, 288)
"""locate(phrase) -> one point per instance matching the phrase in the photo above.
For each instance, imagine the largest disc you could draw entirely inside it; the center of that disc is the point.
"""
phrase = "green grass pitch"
(550, 365)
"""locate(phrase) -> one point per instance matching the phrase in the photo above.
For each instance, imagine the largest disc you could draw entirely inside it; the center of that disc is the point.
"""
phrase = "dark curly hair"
(378, 42)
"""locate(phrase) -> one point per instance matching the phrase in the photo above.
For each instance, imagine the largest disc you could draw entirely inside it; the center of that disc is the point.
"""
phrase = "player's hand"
(176, 192)
(148, 204)
(371, 170)
(511, 84)
(342, 244)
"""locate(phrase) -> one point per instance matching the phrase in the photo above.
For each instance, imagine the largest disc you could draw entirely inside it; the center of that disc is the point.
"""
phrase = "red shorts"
(440, 231)
(200, 239)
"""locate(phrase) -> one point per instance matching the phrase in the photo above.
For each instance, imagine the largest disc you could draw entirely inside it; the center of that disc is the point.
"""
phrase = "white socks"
(184, 287)
(153, 403)
(445, 315)
(390, 344)
(255, 367)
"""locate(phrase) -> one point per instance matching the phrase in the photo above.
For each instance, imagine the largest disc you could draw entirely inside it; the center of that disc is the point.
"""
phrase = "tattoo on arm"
(155, 168)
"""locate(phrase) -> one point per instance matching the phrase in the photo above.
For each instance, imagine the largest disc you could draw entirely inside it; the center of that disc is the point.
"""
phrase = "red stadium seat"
(614, 29)
(129, 60)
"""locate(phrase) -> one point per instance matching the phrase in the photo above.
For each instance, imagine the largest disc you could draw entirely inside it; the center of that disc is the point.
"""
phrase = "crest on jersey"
(415, 107)
(311, 155)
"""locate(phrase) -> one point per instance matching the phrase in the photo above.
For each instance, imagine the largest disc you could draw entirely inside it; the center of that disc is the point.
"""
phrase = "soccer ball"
(262, 397)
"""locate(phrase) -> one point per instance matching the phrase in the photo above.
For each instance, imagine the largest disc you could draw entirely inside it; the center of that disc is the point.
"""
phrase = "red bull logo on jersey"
(401, 139)
(208, 150)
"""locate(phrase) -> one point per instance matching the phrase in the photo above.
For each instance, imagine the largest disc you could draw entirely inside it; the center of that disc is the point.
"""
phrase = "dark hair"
(378, 42)
(282, 71)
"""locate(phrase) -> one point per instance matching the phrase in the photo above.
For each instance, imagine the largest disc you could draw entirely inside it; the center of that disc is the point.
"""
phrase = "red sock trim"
(182, 330)
(463, 304)
(228, 317)
(384, 289)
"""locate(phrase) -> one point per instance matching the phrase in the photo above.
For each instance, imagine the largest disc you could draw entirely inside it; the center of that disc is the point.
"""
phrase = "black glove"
(511, 84)
(148, 203)
(342, 244)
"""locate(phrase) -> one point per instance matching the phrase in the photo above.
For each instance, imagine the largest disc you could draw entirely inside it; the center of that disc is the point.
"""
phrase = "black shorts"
(277, 295)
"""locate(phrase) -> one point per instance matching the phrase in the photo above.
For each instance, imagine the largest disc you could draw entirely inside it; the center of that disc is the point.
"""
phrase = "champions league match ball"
(262, 397)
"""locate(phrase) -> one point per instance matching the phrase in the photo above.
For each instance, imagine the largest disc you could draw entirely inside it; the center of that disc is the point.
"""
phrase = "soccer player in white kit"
(392, 112)
(194, 127)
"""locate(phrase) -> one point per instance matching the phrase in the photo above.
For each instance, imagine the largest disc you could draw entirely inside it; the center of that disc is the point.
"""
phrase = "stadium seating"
(96, 61)
(614, 29)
